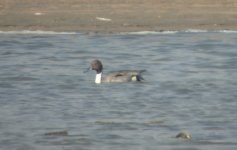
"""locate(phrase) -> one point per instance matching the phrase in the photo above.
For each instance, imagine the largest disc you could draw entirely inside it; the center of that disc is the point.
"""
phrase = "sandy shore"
(117, 15)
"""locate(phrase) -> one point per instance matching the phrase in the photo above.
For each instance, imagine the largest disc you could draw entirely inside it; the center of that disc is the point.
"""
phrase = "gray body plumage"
(123, 76)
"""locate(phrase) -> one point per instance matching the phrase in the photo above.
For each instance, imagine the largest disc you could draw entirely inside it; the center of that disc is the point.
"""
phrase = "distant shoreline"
(126, 32)
(118, 16)
(40, 32)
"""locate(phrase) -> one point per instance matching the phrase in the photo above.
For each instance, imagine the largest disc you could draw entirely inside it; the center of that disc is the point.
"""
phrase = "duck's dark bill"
(87, 70)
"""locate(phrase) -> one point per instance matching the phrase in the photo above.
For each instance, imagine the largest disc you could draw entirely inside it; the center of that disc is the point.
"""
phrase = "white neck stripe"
(98, 78)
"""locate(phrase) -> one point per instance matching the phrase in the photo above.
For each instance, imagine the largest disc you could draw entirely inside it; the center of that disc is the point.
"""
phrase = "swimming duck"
(115, 77)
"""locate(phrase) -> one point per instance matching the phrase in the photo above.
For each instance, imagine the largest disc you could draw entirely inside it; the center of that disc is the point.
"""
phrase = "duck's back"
(124, 76)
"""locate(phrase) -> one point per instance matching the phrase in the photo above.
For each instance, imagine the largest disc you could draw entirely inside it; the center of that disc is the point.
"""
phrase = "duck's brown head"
(97, 66)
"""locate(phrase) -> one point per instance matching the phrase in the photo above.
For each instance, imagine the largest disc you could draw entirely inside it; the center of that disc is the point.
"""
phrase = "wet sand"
(117, 15)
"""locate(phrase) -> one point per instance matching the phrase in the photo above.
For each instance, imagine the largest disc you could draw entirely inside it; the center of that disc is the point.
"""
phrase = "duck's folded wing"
(126, 73)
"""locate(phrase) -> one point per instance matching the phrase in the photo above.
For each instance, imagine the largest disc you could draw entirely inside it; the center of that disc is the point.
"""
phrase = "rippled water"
(191, 84)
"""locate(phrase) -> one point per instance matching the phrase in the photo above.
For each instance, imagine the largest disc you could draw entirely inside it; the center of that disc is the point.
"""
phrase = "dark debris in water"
(56, 133)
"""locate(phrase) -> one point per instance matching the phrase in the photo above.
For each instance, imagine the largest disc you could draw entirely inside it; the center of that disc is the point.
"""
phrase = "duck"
(122, 76)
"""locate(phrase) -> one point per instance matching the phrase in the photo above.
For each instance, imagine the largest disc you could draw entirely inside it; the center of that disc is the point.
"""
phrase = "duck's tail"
(139, 75)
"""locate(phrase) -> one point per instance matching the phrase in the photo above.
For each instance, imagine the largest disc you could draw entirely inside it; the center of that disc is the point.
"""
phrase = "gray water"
(190, 85)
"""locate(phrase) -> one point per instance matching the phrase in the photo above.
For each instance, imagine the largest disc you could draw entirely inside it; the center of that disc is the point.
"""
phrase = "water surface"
(190, 85)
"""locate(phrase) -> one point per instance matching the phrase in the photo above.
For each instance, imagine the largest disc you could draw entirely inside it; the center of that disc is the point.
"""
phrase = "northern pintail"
(115, 77)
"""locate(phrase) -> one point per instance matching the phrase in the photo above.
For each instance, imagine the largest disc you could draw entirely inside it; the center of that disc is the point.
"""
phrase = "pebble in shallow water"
(184, 135)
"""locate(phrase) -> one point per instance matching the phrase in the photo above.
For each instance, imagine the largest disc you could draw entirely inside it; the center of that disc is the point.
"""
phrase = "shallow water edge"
(122, 33)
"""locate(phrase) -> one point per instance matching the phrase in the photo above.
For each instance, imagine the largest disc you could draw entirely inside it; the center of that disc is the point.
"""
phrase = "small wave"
(174, 32)
(195, 31)
(228, 31)
(122, 33)
(149, 32)
(107, 122)
(19, 79)
(204, 31)
(36, 32)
